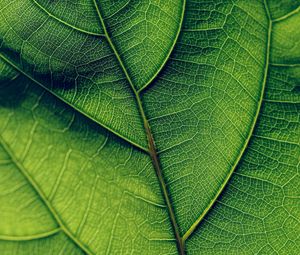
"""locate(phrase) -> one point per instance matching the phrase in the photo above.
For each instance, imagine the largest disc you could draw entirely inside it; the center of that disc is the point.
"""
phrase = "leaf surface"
(201, 159)
(53, 245)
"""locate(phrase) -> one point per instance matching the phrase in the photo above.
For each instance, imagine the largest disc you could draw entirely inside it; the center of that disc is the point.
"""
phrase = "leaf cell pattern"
(149, 127)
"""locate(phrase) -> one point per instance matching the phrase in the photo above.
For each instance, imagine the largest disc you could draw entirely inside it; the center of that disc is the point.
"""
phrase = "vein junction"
(151, 143)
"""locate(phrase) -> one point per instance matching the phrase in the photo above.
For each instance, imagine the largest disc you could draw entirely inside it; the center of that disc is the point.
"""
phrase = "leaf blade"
(175, 133)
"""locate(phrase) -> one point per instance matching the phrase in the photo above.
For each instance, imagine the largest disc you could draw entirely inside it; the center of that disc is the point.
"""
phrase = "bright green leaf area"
(149, 127)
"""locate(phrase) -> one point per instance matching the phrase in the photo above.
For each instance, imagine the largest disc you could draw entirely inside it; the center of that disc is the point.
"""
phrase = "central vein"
(151, 144)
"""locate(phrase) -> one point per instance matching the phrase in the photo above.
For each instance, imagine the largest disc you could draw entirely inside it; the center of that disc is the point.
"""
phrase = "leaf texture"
(53, 245)
(120, 135)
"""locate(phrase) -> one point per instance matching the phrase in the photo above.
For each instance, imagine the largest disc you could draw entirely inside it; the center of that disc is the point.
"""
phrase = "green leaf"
(149, 127)
(24, 215)
(52, 245)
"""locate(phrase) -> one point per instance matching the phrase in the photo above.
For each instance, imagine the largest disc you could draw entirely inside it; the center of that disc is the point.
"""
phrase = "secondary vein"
(151, 144)
(43, 197)
(212, 202)
(30, 237)
(64, 22)
(286, 16)
(114, 131)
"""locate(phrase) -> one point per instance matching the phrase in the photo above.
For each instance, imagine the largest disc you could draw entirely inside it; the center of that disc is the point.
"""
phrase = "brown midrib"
(151, 144)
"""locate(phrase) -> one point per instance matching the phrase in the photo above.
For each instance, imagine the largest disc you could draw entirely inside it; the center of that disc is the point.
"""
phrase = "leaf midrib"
(151, 144)
(152, 150)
